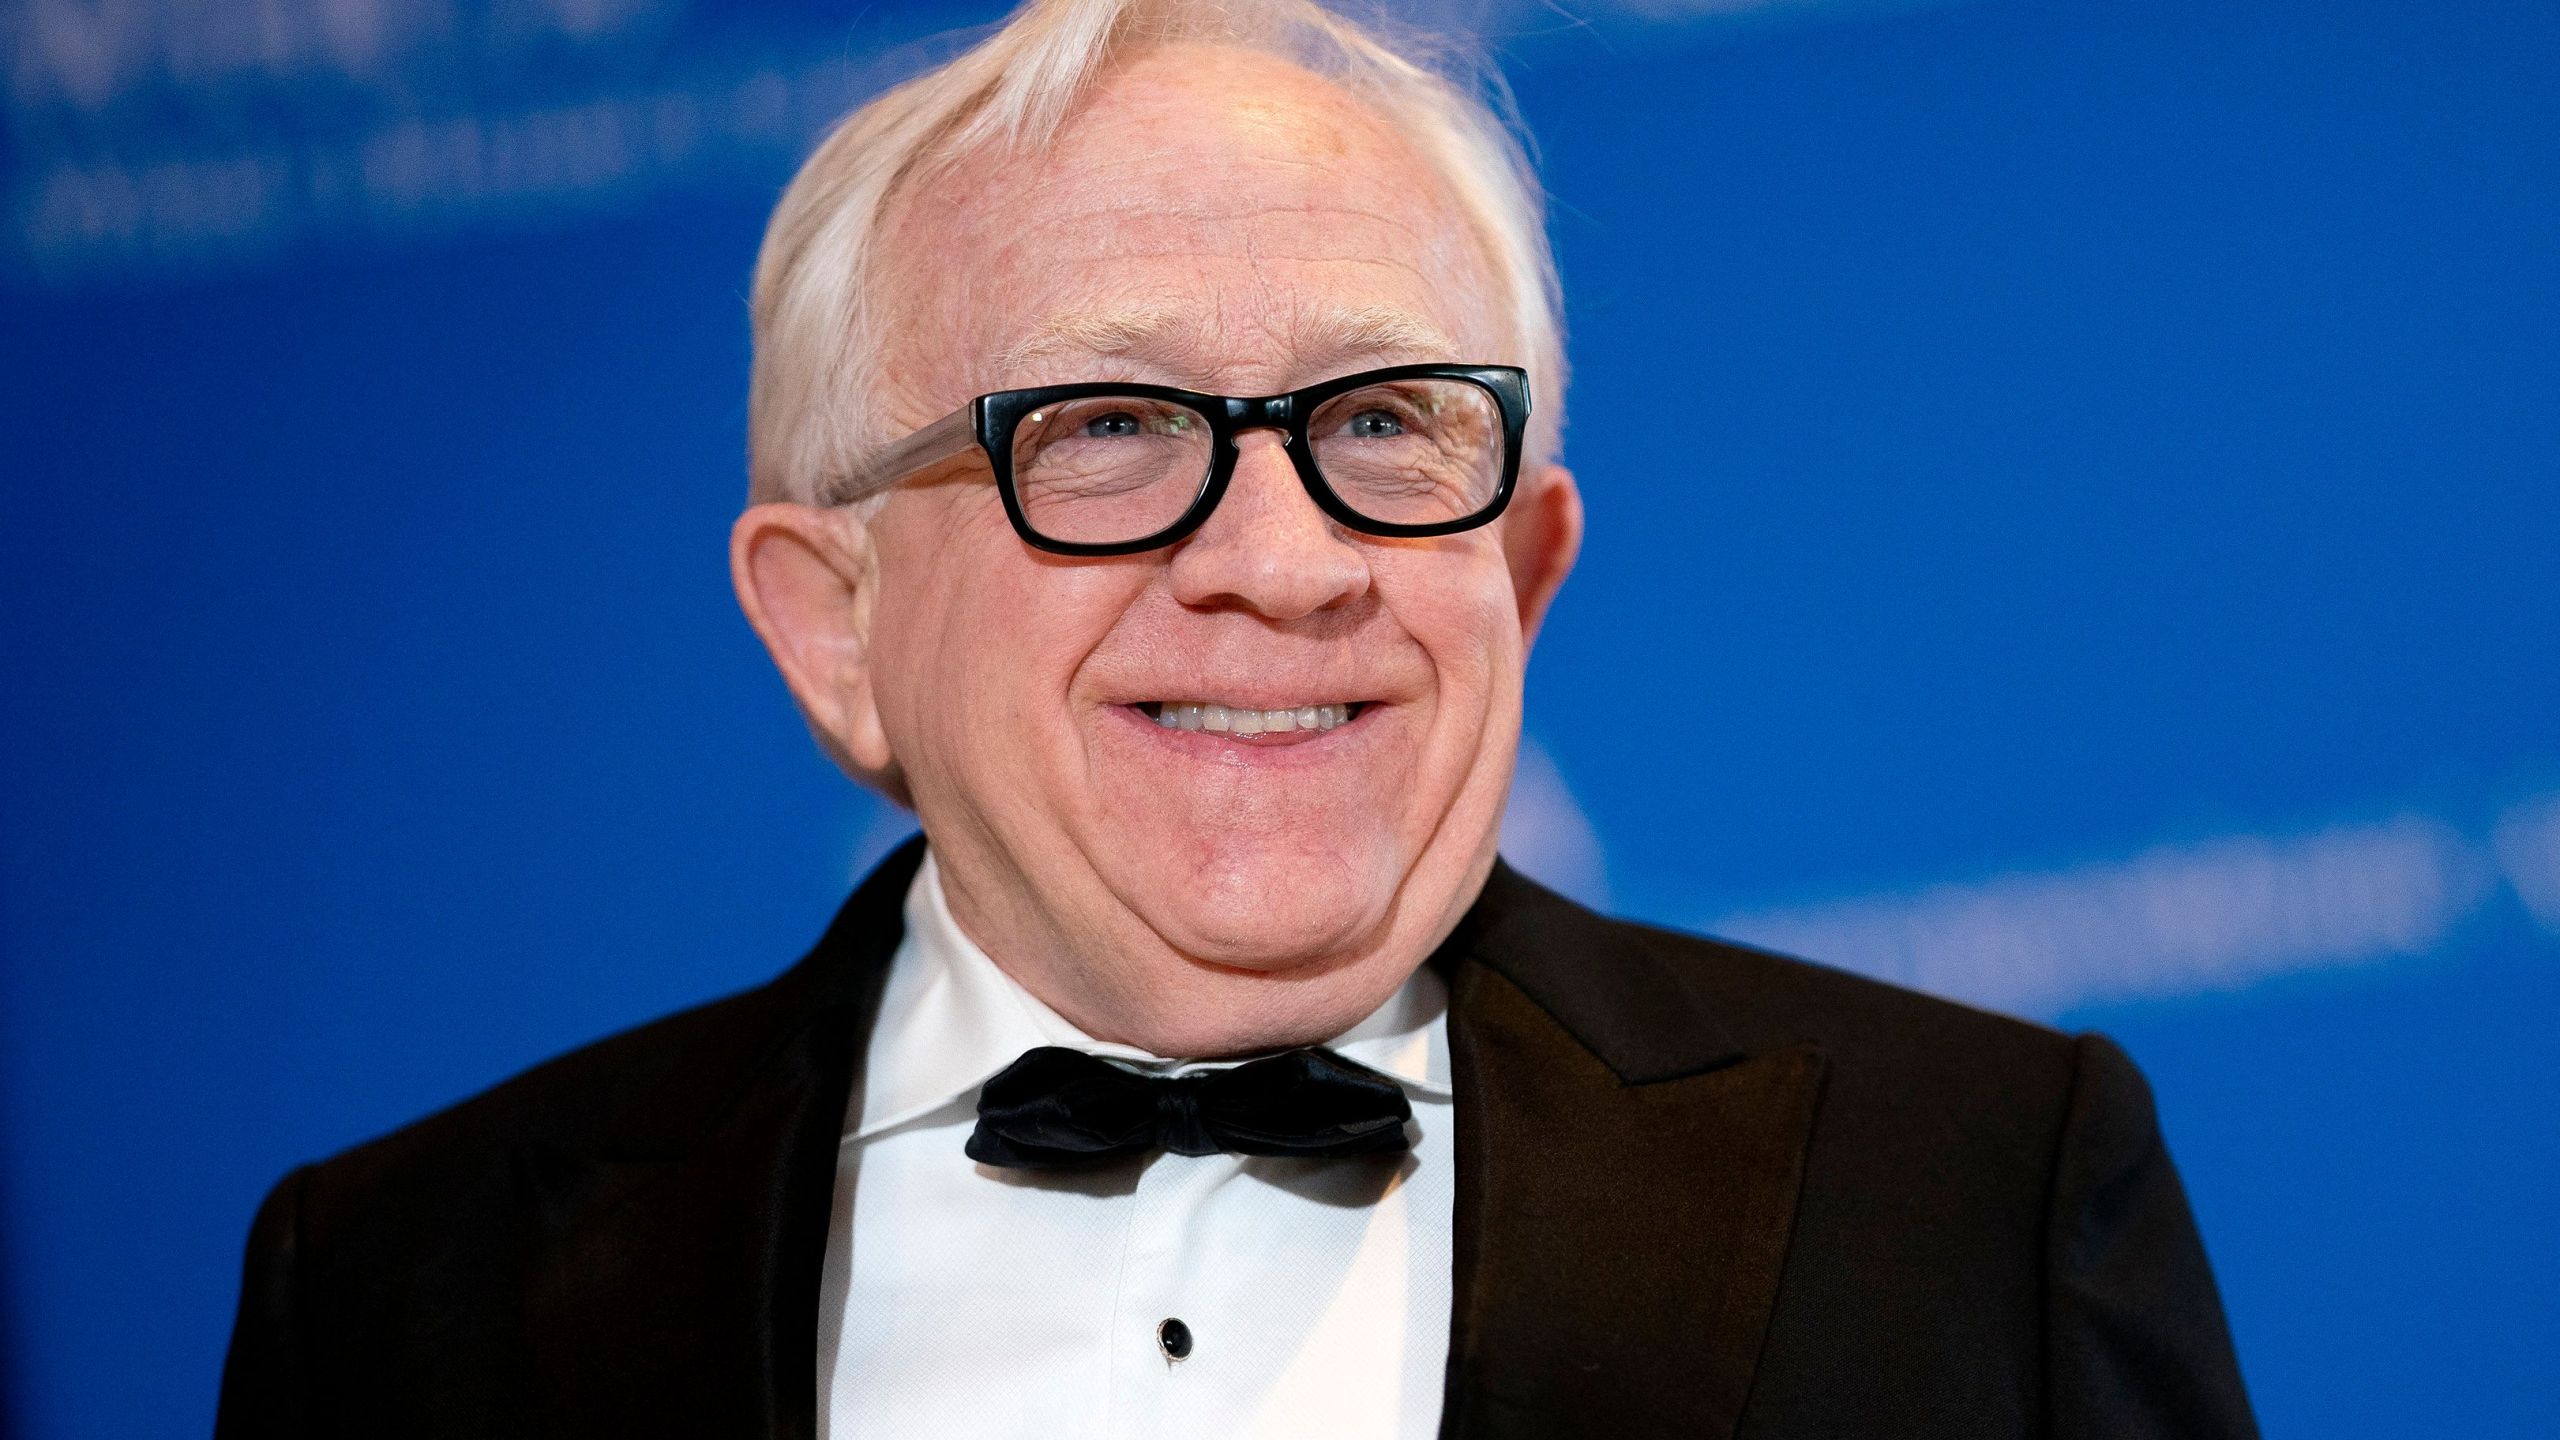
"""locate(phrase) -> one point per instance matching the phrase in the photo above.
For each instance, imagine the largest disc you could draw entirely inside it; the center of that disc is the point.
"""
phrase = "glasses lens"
(1108, 469)
(1411, 452)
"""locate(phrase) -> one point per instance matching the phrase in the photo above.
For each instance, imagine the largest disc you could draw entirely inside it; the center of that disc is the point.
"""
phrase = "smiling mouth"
(1218, 719)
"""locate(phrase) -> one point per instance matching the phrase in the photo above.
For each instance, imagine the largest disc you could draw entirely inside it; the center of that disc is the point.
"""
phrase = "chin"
(1269, 935)
(1271, 916)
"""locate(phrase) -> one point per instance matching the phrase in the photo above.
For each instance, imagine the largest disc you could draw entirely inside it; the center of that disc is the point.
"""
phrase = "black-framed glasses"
(1114, 469)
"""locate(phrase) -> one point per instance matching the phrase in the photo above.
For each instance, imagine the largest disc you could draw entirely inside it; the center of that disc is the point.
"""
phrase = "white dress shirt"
(965, 1300)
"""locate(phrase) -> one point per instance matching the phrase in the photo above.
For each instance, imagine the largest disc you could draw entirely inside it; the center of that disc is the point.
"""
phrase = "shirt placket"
(1162, 1336)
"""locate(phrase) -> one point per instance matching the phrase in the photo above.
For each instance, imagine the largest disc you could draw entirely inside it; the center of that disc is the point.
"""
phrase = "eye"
(1374, 424)
(1114, 425)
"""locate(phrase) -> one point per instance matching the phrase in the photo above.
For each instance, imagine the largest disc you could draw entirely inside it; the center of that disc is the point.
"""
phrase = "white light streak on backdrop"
(2528, 849)
(153, 135)
(2216, 915)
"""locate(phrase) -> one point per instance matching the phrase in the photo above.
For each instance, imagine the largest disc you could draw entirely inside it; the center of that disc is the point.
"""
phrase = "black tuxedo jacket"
(1701, 1191)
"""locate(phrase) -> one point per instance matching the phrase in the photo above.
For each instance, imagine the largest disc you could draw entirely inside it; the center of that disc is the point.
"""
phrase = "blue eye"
(1374, 425)
(1114, 425)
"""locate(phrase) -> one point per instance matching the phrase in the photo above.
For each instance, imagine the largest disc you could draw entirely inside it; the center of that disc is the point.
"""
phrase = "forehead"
(1207, 216)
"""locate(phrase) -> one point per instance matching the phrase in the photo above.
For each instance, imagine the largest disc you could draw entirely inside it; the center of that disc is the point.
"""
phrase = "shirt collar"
(950, 1018)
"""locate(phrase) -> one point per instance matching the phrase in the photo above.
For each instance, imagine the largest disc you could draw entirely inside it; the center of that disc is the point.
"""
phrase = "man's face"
(1223, 222)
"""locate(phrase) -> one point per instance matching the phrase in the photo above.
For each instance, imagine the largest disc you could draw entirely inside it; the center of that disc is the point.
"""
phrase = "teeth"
(1221, 719)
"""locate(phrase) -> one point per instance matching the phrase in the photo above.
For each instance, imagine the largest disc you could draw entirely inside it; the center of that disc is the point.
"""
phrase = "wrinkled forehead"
(1208, 217)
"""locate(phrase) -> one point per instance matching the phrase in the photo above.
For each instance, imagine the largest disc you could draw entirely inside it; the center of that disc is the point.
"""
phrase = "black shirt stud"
(1174, 1339)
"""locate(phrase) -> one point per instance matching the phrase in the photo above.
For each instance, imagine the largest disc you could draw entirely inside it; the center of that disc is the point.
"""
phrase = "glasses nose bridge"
(1266, 412)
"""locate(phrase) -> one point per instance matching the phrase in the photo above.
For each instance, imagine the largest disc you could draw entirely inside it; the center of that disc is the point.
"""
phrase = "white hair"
(811, 410)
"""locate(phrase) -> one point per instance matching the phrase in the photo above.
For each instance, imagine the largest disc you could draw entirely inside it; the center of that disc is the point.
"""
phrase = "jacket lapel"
(673, 1269)
(1626, 1180)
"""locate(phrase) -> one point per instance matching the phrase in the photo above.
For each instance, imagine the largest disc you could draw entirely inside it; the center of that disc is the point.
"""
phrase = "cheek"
(979, 641)
(942, 578)
(1464, 616)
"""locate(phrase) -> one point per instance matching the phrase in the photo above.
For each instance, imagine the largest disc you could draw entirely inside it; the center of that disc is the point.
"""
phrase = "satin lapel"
(1626, 1180)
(672, 1280)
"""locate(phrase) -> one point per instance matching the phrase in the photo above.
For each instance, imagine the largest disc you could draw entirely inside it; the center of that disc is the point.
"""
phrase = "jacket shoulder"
(641, 1093)
(1989, 1223)
(436, 1186)
(584, 1095)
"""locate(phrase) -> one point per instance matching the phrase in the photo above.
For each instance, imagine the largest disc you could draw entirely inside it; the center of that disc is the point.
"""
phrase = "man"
(1154, 442)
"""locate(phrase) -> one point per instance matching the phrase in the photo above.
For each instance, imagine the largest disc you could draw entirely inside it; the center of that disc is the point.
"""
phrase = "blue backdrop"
(2072, 527)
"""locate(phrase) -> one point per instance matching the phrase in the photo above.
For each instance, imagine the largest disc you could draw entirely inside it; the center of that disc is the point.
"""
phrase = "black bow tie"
(1056, 1107)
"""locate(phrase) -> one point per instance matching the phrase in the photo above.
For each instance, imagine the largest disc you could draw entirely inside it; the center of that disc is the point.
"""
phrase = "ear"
(1541, 534)
(806, 578)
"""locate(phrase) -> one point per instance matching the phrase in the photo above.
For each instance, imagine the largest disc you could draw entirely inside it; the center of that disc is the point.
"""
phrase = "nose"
(1267, 548)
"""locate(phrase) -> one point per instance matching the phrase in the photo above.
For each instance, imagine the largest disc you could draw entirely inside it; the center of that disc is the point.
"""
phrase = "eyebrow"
(1133, 331)
(1377, 330)
(1169, 337)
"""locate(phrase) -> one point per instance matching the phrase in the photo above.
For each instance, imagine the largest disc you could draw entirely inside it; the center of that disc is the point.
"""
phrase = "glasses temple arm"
(932, 445)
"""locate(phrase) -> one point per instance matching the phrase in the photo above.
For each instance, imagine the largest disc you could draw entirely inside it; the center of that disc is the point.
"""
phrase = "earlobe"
(804, 577)
(1541, 535)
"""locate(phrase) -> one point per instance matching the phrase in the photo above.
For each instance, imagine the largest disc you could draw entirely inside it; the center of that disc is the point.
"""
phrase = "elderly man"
(1154, 446)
